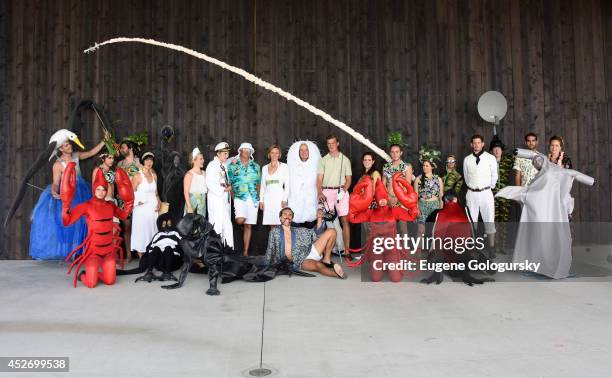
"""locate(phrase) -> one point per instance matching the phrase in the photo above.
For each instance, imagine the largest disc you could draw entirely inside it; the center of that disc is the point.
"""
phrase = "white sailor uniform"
(480, 176)
(218, 201)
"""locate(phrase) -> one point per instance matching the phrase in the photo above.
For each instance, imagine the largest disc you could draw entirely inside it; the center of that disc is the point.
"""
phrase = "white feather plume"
(254, 79)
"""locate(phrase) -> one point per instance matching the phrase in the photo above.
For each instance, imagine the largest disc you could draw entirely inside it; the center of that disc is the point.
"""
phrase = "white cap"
(222, 146)
(195, 152)
(247, 146)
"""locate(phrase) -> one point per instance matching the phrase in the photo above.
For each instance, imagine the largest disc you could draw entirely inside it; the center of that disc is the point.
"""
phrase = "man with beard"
(524, 171)
(301, 247)
(132, 166)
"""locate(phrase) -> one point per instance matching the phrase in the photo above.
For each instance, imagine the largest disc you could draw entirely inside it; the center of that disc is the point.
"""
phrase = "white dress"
(218, 200)
(144, 216)
(273, 190)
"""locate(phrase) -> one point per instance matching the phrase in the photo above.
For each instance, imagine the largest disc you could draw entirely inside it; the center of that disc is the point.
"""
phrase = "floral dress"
(428, 188)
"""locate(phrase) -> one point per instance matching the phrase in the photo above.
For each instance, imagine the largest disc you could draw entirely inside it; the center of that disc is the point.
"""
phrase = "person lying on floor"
(302, 248)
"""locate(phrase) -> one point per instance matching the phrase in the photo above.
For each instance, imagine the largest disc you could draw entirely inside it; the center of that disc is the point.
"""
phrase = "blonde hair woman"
(274, 188)
(194, 185)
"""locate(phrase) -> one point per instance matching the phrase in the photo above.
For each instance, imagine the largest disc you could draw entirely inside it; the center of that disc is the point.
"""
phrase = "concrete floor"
(314, 327)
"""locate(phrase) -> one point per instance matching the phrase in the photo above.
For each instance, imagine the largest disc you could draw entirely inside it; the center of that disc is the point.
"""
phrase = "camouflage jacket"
(504, 171)
(453, 180)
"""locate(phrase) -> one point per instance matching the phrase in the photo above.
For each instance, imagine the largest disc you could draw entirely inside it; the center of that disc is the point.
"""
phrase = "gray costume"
(544, 234)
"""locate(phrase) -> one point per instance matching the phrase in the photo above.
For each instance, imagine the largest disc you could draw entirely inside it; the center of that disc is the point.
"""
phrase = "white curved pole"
(252, 78)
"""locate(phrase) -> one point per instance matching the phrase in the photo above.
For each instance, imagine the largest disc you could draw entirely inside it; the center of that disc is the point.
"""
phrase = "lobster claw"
(406, 196)
(67, 189)
(124, 189)
(381, 193)
(383, 213)
(360, 200)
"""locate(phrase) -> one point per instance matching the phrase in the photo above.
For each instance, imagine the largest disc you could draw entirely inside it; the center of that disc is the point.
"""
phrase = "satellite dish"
(492, 107)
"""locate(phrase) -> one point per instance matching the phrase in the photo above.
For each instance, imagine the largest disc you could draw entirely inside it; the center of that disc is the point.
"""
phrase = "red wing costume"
(452, 221)
(100, 247)
(382, 219)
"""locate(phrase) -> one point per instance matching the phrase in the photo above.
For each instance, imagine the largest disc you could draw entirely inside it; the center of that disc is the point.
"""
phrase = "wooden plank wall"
(4, 117)
(380, 66)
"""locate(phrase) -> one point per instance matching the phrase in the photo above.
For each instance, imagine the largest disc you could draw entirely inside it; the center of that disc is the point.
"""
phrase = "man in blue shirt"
(245, 176)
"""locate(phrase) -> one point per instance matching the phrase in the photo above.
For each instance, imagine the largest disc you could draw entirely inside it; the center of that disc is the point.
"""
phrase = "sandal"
(339, 272)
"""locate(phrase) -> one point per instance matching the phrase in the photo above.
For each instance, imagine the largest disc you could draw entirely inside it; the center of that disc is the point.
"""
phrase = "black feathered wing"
(41, 161)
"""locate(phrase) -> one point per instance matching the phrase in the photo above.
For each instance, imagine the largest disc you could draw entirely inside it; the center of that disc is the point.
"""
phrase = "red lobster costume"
(100, 247)
(382, 219)
(453, 222)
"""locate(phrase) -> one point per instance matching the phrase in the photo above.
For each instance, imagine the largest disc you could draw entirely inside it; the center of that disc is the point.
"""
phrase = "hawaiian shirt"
(389, 170)
(109, 175)
(244, 180)
(301, 244)
(132, 168)
(528, 171)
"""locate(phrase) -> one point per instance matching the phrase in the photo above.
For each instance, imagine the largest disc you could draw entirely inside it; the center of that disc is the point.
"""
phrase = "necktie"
(224, 174)
(478, 156)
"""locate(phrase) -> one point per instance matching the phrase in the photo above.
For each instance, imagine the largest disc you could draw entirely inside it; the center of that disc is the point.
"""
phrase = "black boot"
(168, 276)
(213, 277)
(148, 276)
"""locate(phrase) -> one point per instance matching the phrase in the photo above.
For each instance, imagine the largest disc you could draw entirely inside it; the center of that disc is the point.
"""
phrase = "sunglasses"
(450, 161)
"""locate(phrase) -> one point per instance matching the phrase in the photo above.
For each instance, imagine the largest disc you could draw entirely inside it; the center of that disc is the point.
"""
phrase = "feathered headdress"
(139, 139)
(395, 138)
(430, 154)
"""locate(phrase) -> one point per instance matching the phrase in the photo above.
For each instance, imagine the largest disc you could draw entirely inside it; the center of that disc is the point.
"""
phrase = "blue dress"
(49, 239)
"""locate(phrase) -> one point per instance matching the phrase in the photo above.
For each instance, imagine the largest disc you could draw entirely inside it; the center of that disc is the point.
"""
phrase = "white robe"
(218, 202)
(544, 233)
(302, 197)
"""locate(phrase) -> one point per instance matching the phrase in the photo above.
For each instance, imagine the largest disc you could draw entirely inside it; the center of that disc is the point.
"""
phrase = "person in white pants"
(218, 200)
(480, 174)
